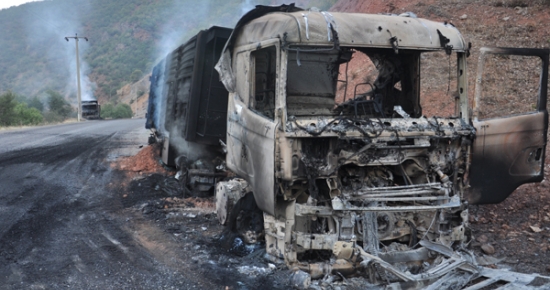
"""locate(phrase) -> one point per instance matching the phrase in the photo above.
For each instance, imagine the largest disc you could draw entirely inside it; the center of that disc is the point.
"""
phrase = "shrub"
(52, 117)
(58, 105)
(36, 103)
(13, 112)
(7, 108)
(107, 110)
(27, 116)
(120, 111)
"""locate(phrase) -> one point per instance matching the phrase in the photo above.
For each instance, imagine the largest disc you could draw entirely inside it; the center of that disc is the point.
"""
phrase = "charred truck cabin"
(349, 173)
(91, 110)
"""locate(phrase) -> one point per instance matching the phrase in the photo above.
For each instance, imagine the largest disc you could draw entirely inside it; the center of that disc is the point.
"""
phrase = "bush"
(58, 105)
(27, 116)
(13, 112)
(120, 111)
(36, 103)
(52, 117)
(136, 75)
(107, 110)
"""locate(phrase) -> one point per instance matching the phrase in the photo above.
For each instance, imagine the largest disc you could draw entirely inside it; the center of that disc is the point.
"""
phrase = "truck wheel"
(247, 220)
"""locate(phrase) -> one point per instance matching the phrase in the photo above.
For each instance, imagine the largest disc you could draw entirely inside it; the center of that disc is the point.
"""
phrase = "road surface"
(62, 224)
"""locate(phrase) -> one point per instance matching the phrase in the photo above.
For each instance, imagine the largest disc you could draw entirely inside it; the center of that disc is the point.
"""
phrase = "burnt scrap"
(343, 169)
(91, 110)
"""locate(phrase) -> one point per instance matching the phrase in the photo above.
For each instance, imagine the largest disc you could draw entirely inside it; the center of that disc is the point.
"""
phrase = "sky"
(8, 3)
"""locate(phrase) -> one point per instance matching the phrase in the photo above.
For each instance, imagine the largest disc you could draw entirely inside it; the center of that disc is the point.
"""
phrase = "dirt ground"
(149, 192)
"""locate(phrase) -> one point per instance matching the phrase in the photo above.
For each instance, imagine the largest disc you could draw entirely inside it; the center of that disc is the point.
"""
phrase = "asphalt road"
(60, 219)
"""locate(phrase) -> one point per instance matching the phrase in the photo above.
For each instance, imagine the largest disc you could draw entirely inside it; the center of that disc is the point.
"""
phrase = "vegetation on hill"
(126, 38)
(119, 111)
(16, 110)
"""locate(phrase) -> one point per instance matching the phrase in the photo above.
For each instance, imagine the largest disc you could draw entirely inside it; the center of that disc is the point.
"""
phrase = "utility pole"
(76, 37)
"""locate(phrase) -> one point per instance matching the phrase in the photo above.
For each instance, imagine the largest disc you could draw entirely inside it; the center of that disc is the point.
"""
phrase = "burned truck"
(320, 125)
(91, 110)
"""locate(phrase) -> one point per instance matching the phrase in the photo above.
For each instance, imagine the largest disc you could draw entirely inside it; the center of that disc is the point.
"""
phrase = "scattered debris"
(254, 271)
(145, 161)
(488, 249)
(482, 239)
(535, 229)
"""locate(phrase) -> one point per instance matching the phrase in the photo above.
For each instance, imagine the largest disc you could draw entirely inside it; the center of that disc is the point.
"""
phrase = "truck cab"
(339, 158)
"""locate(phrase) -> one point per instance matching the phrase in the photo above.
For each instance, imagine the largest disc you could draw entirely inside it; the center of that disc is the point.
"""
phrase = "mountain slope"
(125, 39)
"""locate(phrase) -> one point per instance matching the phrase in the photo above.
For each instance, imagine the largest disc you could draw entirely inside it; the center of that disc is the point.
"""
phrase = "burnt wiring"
(370, 124)
(427, 230)
(437, 126)
(348, 122)
(406, 178)
(311, 175)
(414, 239)
(312, 132)
(363, 149)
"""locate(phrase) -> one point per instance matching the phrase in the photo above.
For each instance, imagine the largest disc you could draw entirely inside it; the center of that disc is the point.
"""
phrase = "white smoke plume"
(51, 24)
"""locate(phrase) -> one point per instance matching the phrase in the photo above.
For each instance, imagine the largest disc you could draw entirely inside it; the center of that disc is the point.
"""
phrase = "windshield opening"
(359, 82)
(367, 82)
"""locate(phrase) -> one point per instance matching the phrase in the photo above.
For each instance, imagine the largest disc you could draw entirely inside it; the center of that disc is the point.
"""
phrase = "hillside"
(496, 23)
(125, 40)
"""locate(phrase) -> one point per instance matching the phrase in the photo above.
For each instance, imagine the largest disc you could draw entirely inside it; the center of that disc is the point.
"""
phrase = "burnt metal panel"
(350, 29)
(155, 95)
(509, 151)
(195, 100)
(178, 77)
(207, 107)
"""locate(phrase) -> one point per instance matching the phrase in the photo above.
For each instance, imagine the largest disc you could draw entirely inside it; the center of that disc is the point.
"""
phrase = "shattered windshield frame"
(368, 82)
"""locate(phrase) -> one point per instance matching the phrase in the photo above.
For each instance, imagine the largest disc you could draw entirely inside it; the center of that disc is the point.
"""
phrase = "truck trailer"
(339, 171)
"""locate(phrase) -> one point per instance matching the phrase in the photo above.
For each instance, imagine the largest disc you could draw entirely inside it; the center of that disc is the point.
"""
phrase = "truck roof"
(352, 29)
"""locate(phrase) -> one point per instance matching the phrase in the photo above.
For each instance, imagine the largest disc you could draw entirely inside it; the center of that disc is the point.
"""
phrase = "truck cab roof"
(350, 29)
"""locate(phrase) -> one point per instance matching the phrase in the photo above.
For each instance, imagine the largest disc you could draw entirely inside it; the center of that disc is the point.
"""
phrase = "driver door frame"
(508, 151)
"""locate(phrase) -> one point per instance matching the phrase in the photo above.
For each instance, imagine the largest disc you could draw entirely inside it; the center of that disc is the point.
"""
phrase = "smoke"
(185, 15)
(50, 24)
(184, 20)
(246, 6)
(181, 23)
(188, 18)
(157, 99)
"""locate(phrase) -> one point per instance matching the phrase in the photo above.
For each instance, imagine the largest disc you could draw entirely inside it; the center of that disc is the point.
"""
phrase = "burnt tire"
(247, 220)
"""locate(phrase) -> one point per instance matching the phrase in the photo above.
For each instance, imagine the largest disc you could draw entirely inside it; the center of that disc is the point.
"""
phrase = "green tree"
(120, 111)
(107, 110)
(58, 105)
(7, 109)
(136, 75)
(36, 103)
(27, 116)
